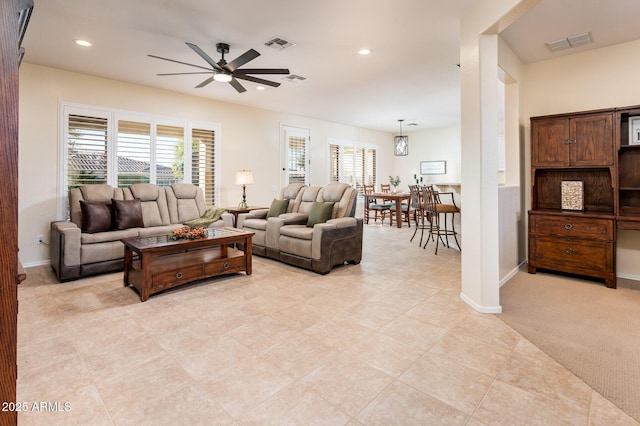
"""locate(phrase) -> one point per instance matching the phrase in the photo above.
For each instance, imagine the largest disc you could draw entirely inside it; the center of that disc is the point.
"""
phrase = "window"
(297, 159)
(352, 164)
(86, 150)
(120, 149)
(203, 162)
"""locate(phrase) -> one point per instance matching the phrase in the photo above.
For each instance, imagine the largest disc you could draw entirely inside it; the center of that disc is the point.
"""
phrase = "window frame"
(365, 148)
(113, 116)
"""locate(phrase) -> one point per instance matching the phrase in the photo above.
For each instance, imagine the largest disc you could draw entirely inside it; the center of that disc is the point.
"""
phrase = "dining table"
(397, 197)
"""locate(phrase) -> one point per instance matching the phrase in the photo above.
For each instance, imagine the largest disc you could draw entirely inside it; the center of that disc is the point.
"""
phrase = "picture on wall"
(433, 167)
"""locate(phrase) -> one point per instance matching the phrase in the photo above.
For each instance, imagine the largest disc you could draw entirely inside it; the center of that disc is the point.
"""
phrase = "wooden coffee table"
(163, 263)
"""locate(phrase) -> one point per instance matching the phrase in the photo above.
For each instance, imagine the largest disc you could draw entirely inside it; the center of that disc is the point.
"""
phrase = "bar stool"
(438, 229)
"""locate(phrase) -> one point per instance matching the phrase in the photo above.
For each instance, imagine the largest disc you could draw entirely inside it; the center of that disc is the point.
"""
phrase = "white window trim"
(113, 115)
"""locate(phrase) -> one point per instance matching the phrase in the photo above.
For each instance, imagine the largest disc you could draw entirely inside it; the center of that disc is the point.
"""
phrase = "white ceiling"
(411, 73)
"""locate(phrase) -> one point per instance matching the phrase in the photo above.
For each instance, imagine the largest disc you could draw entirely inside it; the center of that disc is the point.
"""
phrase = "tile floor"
(386, 342)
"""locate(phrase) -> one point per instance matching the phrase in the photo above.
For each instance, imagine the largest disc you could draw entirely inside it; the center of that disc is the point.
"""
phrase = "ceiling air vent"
(569, 42)
(292, 78)
(279, 43)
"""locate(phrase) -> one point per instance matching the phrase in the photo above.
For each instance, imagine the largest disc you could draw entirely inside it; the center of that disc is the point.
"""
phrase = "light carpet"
(591, 330)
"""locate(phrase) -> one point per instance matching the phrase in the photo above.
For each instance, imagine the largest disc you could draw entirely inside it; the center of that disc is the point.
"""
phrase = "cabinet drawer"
(571, 226)
(224, 266)
(176, 276)
(571, 254)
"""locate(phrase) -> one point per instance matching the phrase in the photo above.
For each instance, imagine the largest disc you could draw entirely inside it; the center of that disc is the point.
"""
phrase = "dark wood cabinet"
(628, 211)
(574, 147)
(585, 140)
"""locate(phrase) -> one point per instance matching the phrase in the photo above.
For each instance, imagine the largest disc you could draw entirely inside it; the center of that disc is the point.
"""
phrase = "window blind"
(297, 159)
(133, 153)
(169, 161)
(203, 163)
(86, 150)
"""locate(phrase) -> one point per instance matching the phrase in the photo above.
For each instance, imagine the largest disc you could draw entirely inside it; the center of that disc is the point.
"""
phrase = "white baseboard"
(512, 273)
(481, 309)
(37, 263)
(629, 277)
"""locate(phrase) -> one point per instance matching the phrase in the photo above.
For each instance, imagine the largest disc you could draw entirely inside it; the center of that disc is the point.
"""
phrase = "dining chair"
(371, 205)
(407, 209)
(434, 208)
(422, 219)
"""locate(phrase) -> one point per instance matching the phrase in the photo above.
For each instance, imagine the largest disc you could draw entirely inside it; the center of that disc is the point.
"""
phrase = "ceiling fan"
(227, 72)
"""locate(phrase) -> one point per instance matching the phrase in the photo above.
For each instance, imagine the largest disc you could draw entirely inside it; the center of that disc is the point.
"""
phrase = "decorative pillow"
(96, 216)
(127, 214)
(319, 213)
(278, 207)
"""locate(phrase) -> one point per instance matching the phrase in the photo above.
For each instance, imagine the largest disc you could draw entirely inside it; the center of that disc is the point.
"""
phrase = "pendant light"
(401, 143)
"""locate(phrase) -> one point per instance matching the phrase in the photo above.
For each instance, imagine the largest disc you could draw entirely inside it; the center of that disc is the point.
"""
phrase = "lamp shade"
(244, 177)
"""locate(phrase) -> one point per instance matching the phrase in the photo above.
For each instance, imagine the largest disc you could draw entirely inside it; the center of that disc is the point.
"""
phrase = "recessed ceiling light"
(260, 88)
(83, 43)
(364, 51)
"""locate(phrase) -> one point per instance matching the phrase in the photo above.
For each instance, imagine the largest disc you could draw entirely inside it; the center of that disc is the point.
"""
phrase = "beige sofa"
(320, 247)
(83, 246)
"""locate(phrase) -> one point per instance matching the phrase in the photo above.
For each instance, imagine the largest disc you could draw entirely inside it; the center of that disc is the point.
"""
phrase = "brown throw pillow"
(96, 216)
(127, 214)
(320, 213)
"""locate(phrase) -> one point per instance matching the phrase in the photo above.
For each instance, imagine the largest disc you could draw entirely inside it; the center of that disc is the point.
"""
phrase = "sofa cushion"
(104, 237)
(97, 192)
(320, 213)
(96, 216)
(255, 224)
(127, 214)
(153, 201)
(278, 207)
(186, 202)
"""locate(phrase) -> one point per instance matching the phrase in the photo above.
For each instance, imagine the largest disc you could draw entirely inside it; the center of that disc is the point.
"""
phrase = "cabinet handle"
(178, 275)
(568, 226)
(566, 141)
(568, 250)
(225, 265)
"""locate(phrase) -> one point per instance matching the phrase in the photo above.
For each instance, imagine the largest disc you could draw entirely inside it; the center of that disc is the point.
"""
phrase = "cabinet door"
(549, 147)
(592, 140)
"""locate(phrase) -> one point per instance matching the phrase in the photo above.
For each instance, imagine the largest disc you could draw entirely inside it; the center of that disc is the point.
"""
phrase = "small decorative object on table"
(572, 195)
(394, 181)
(186, 233)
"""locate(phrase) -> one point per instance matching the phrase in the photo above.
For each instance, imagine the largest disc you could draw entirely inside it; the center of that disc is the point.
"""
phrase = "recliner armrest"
(227, 218)
(253, 214)
(64, 246)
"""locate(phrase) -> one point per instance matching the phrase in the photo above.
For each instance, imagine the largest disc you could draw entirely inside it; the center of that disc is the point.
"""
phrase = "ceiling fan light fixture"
(222, 77)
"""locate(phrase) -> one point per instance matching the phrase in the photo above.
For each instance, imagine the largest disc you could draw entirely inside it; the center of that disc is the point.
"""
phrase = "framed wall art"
(433, 167)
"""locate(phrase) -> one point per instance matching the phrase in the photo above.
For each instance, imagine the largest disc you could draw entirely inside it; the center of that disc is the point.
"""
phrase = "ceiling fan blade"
(179, 62)
(204, 56)
(262, 71)
(247, 56)
(236, 85)
(257, 80)
(204, 83)
(185, 73)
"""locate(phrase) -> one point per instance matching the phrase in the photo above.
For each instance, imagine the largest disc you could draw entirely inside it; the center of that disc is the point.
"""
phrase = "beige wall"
(428, 145)
(600, 78)
(249, 139)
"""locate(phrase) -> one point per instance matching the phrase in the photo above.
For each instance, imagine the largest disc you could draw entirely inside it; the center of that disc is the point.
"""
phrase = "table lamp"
(244, 178)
